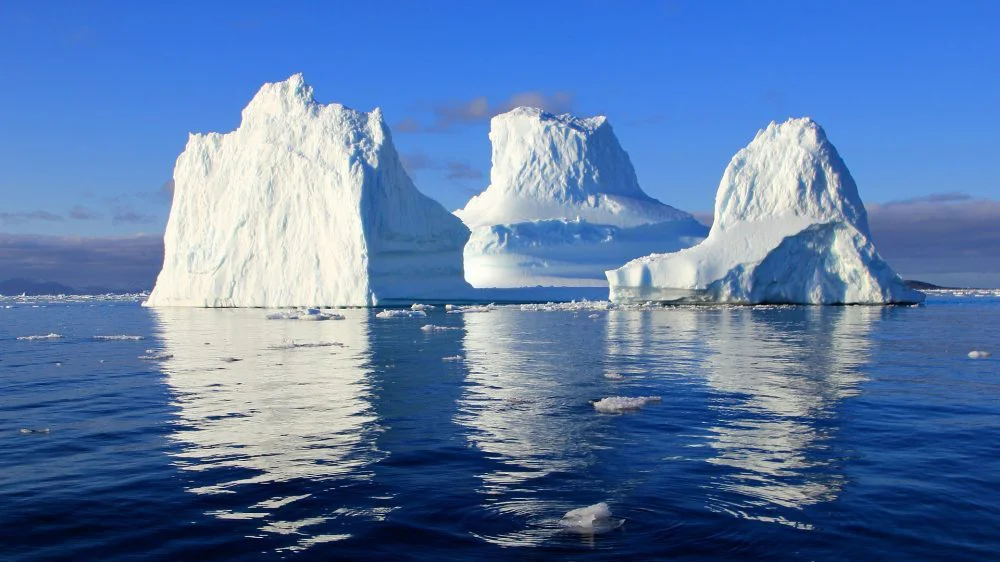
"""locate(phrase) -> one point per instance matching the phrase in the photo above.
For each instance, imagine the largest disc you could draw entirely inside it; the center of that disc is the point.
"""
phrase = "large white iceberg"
(789, 228)
(304, 204)
(563, 205)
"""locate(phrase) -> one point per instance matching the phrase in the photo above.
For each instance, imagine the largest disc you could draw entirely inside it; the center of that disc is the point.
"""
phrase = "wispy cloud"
(455, 170)
(8, 218)
(127, 215)
(81, 213)
(462, 171)
(447, 116)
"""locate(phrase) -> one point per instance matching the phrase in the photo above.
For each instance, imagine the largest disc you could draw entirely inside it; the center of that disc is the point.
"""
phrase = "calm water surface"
(783, 433)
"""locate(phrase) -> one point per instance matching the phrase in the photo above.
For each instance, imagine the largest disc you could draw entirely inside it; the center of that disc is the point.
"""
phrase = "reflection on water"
(525, 406)
(268, 411)
(316, 431)
(781, 373)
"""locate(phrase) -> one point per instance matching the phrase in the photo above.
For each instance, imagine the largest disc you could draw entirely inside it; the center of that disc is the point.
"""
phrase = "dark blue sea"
(781, 433)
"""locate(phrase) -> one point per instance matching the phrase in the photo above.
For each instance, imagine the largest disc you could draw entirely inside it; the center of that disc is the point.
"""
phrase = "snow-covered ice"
(789, 227)
(975, 354)
(304, 204)
(619, 404)
(50, 336)
(563, 205)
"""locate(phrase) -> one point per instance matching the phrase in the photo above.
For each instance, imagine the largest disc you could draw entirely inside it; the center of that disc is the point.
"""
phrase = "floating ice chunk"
(52, 336)
(979, 354)
(619, 404)
(614, 376)
(118, 337)
(433, 328)
(294, 345)
(470, 309)
(155, 355)
(591, 519)
(29, 431)
(390, 313)
(573, 306)
(452, 358)
(312, 314)
(418, 306)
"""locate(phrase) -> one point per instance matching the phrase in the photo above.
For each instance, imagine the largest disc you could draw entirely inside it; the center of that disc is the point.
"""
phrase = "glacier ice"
(304, 204)
(563, 205)
(789, 227)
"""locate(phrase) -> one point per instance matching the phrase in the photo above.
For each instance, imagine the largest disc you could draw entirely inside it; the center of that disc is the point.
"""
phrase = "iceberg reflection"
(781, 373)
(266, 410)
(525, 406)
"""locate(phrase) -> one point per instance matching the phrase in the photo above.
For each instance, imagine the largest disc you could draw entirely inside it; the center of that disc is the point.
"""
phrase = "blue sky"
(97, 98)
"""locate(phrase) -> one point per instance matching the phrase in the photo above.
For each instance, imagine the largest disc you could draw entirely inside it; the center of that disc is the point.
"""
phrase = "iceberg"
(563, 205)
(304, 204)
(789, 228)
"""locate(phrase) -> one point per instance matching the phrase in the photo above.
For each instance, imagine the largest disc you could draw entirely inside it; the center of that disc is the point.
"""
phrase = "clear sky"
(97, 98)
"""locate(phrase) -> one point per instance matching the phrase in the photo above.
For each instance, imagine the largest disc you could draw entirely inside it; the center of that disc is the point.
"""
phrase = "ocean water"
(791, 433)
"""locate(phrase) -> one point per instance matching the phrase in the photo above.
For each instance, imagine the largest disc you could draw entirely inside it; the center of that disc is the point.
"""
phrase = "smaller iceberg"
(790, 228)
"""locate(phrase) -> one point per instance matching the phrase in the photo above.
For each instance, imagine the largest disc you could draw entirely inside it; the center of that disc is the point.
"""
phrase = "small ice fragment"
(51, 336)
(619, 404)
(27, 431)
(389, 313)
(591, 519)
(975, 354)
(452, 358)
(118, 337)
(595, 315)
(418, 306)
(154, 355)
(434, 328)
(614, 376)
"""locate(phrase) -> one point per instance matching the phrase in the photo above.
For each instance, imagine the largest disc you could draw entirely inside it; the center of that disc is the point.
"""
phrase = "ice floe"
(434, 328)
(52, 336)
(395, 313)
(591, 519)
(619, 404)
(118, 337)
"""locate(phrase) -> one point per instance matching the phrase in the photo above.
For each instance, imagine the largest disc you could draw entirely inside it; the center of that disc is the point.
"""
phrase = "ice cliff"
(789, 227)
(304, 204)
(562, 206)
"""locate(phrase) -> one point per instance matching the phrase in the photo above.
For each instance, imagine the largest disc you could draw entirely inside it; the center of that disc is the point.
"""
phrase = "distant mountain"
(31, 287)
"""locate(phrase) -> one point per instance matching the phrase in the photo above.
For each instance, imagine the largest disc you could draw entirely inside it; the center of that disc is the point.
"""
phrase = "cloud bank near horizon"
(948, 239)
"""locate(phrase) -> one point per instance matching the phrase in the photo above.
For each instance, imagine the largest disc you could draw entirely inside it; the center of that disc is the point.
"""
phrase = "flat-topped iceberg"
(789, 227)
(563, 205)
(304, 204)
